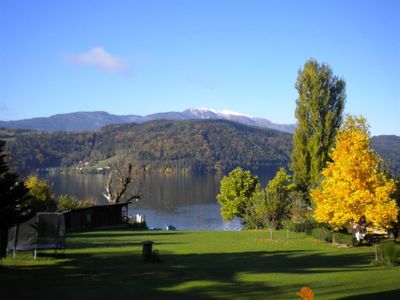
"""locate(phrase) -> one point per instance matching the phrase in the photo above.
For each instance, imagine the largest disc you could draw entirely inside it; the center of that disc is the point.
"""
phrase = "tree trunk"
(3, 242)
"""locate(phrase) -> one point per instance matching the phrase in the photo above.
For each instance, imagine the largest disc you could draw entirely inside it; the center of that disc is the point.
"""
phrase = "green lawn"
(198, 265)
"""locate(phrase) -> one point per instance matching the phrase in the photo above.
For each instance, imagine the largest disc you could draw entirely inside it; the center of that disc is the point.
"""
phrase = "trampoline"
(43, 231)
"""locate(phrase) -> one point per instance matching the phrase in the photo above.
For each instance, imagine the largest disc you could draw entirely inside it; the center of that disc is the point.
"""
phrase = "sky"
(143, 57)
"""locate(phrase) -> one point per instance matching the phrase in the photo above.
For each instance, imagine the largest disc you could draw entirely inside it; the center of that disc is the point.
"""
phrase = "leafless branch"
(122, 176)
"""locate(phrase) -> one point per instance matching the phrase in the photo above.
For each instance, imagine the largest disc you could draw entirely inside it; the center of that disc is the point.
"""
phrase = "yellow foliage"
(353, 188)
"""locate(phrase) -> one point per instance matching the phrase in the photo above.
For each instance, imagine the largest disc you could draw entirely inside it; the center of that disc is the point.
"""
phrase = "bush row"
(385, 250)
(344, 239)
(323, 233)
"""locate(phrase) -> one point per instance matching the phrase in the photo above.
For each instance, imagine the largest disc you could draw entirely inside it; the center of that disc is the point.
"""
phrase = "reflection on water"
(83, 187)
(170, 193)
(186, 201)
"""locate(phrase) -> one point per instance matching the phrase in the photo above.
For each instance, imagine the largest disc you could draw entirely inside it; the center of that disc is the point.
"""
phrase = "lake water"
(187, 202)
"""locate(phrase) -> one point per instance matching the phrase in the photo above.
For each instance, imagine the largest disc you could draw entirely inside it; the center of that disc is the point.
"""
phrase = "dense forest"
(388, 147)
(200, 146)
(196, 146)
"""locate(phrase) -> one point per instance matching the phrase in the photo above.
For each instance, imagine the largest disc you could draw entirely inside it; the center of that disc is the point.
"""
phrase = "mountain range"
(86, 121)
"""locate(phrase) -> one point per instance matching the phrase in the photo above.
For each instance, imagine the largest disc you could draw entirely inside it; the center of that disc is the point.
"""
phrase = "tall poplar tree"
(319, 114)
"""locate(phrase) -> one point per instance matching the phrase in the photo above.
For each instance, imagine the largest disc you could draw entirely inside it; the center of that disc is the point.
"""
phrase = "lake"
(187, 202)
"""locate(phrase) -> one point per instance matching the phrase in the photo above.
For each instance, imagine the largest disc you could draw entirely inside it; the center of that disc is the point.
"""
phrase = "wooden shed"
(96, 217)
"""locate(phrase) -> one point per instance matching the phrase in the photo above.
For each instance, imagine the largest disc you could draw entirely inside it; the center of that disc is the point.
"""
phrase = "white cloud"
(100, 58)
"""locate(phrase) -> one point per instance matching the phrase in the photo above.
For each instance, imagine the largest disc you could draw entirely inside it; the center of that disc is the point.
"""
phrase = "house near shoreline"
(97, 217)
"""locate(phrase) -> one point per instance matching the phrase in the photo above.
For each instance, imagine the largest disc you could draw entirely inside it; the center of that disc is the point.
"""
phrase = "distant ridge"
(88, 121)
(199, 146)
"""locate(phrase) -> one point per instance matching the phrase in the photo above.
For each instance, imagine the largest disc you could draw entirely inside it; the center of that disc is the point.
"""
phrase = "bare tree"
(124, 183)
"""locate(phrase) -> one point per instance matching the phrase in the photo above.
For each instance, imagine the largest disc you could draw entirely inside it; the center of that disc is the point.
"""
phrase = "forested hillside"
(198, 146)
(31, 150)
(388, 146)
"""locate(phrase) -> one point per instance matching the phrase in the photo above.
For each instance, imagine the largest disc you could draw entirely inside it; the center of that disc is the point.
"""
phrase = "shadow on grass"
(112, 275)
(113, 244)
(127, 233)
(101, 239)
(393, 294)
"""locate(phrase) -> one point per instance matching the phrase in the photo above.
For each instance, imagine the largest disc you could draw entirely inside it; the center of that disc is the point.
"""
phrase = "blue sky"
(142, 57)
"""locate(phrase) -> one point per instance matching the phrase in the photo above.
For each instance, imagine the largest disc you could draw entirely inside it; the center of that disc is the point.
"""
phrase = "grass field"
(198, 265)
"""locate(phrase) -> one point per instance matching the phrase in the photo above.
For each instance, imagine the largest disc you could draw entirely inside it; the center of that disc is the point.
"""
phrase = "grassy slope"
(198, 265)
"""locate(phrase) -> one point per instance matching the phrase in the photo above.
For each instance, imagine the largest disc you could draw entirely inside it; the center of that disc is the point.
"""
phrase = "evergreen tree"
(319, 111)
(14, 200)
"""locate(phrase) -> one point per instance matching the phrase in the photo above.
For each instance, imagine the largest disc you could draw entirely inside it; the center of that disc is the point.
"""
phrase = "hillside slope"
(200, 146)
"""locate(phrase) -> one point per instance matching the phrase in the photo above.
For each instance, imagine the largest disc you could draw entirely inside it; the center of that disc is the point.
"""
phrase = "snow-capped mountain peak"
(207, 112)
(201, 113)
(81, 121)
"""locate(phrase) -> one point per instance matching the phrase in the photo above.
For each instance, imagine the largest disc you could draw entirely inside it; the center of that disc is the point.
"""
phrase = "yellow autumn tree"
(353, 190)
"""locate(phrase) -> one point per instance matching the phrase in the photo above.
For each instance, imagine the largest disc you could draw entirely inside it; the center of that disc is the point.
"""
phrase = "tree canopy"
(353, 190)
(271, 206)
(41, 195)
(236, 191)
(320, 104)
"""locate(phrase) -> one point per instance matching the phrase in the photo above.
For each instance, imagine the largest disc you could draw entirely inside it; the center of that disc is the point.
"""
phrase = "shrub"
(155, 256)
(348, 240)
(322, 233)
(306, 226)
(66, 203)
(385, 253)
(371, 239)
(70, 202)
